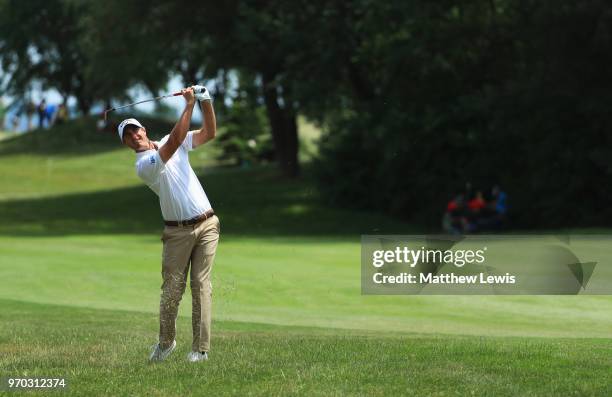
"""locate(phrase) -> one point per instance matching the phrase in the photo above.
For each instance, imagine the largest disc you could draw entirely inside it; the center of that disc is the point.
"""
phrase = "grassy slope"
(79, 230)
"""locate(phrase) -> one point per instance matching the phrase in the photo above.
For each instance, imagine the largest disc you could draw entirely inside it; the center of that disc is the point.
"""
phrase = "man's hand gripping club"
(209, 121)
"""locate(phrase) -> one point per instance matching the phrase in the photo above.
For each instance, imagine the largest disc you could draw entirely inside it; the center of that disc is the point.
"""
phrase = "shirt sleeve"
(188, 142)
(149, 167)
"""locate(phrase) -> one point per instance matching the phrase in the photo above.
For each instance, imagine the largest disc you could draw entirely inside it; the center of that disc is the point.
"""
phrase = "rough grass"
(103, 352)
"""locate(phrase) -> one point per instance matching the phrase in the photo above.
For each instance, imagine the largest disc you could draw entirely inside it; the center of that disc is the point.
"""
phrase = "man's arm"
(179, 132)
(209, 125)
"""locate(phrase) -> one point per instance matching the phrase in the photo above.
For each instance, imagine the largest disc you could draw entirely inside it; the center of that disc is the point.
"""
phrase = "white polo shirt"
(181, 196)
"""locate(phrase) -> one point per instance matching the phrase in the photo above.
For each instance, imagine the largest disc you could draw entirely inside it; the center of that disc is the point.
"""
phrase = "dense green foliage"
(417, 97)
(40, 41)
(244, 136)
(508, 92)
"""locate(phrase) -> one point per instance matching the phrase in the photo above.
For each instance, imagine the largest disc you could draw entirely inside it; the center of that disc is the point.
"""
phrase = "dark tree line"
(515, 93)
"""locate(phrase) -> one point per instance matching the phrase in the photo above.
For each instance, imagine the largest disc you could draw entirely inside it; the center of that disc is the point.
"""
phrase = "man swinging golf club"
(191, 231)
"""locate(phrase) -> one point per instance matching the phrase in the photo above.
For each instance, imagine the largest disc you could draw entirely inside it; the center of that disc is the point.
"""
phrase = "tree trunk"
(220, 92)
(84, 105)
(283, 123)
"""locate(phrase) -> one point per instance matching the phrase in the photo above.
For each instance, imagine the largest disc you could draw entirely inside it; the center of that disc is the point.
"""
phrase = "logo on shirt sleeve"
(152, 159)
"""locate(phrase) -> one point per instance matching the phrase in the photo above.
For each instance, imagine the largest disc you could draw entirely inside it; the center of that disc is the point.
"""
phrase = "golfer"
(191, 231)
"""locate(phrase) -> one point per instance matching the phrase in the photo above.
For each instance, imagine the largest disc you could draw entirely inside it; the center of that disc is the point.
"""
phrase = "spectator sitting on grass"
(500, 197)
(478, 214)
(477, 203)
(475, 207)
(454, 221)
(499, 207)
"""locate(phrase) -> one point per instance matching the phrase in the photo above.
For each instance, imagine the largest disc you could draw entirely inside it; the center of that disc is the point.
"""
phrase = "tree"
(262, 40)
(219, 37)
(128, 55)
(40, 41)
(433, 94)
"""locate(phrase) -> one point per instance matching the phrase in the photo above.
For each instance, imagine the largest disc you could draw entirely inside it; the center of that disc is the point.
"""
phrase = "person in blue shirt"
(501, 204)
(50, 114)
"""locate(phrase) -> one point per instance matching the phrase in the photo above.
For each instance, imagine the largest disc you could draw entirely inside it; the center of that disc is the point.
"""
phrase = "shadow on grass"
(255, 203)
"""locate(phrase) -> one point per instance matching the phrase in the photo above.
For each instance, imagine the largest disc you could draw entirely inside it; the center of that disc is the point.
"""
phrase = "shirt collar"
(139, 155)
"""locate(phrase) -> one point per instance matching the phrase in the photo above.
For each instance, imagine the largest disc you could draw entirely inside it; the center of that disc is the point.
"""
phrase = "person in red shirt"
(477, 203)
(454, 220)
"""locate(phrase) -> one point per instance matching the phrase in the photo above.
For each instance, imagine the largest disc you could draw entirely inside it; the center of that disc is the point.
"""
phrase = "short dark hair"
(128, 129)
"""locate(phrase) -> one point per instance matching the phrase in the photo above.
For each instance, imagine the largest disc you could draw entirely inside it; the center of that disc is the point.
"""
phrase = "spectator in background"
(475, 206)
(476, 214)
(454, 221)
(50, 114)
(477, 203)
(499, 207)
(42, 113)
(30, 109)
(61, 115)
(15, 122)
(500, 200)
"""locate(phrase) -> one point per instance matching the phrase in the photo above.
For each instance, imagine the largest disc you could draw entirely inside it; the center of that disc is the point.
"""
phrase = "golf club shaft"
(105, 113)
(143, 101)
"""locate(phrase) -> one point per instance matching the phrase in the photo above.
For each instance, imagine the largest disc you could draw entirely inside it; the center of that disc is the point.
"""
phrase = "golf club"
(105, 114)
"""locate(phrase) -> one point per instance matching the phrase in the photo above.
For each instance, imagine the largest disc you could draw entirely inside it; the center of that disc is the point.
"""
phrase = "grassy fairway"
(102, 352)
(303, 281)
(79, 264)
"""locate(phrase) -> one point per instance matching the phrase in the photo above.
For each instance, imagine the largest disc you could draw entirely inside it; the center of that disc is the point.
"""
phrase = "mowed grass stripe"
(104, 352)
(283, 281)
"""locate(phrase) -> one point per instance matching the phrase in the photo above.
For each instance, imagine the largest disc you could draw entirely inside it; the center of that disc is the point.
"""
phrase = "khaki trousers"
(185, 245)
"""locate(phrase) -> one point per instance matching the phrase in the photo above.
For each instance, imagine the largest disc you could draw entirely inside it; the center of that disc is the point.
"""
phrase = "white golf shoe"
(159, 354)
(194, 357)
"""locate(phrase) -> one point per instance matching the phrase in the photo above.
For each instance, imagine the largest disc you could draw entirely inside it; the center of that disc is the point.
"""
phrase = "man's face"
(135, 137)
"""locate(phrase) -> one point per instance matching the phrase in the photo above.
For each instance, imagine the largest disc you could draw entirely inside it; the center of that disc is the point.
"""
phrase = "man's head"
(133, 134)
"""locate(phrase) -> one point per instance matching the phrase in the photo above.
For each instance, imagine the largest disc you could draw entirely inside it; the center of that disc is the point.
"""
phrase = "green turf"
(80, 271)
(303, 281)
(103, 352)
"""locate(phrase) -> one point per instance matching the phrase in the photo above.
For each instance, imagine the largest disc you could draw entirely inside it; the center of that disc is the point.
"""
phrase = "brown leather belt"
(191, 221)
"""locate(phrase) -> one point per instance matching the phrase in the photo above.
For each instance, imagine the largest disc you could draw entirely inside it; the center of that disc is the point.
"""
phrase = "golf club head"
(106, 112)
